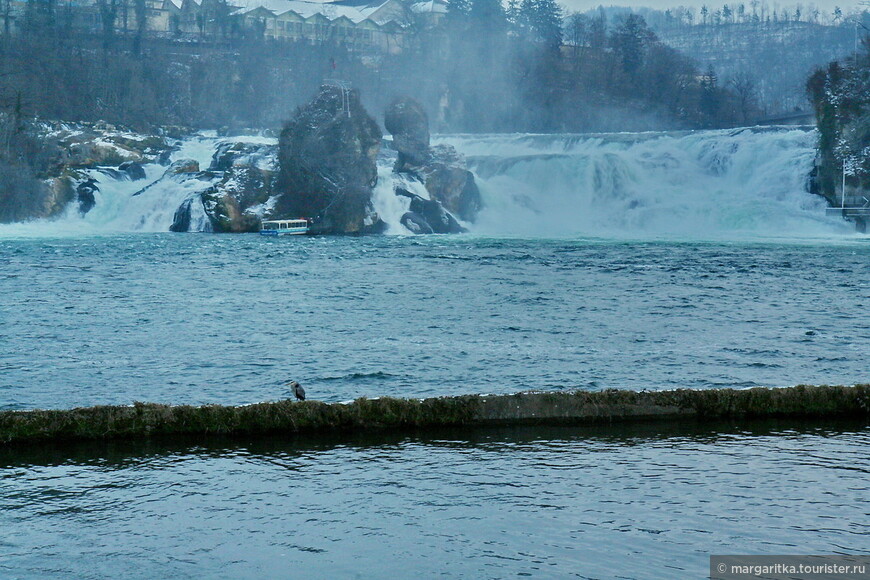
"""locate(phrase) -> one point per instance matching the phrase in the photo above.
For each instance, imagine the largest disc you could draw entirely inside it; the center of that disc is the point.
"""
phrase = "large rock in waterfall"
(237, 191)
(327, 155)
(427, 216)
(407, 122)
(448, 180)
(441, 169)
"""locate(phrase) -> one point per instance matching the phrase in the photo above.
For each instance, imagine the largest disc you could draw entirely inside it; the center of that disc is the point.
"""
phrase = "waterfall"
(122, 205)
(749, 182)
(725, 184)
(740, 183)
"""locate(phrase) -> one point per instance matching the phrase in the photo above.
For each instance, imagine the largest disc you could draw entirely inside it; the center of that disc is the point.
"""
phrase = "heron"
(298, 391)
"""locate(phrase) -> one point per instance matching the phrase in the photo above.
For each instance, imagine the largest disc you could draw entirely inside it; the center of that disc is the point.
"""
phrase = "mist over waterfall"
(698, 185)
(728, 184)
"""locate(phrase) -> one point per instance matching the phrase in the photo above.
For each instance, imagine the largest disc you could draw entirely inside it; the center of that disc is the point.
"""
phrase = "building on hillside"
(381, 26)
(87, 16)
(431, 13)
(373, 26)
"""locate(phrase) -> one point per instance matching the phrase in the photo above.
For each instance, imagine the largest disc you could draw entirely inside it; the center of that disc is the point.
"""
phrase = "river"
(652, 261)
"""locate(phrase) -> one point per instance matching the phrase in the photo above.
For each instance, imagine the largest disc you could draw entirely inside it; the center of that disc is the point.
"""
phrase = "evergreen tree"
(547, 24)
(487, 17)
(141, 13)
(525, 19)
(630, 39)
(710, 101)
(512, 13)
(598, 31)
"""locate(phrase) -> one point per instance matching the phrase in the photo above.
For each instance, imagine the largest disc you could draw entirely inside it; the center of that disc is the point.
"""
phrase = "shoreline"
(144, 420)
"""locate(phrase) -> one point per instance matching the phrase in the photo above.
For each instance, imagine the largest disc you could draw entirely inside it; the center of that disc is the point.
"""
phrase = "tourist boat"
(284, 227)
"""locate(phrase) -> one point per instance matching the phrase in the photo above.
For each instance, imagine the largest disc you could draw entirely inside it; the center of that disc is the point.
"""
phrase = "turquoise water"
(228, 319)
(542, 503)
(650, 261)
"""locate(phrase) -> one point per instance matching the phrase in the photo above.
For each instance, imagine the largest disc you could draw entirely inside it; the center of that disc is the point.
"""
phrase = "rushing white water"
(698, 185)
(125, 206)
(744, 183)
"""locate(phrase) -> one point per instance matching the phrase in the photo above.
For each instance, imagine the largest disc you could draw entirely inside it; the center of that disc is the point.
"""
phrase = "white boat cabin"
(284, 227)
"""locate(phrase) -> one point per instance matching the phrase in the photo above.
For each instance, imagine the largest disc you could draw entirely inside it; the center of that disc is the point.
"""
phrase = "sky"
(823, 5)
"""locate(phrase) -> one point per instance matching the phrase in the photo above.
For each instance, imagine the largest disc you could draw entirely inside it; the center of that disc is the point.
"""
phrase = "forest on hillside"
(757, 48)
(485, 68)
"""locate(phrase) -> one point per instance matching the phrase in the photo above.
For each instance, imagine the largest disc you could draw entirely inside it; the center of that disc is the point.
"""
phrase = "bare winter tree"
(746, 92)
(139, 10)
(108, 17)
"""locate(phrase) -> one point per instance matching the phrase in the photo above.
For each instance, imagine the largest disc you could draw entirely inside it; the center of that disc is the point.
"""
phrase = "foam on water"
(117, 209)
(744, 183)
(706, 185)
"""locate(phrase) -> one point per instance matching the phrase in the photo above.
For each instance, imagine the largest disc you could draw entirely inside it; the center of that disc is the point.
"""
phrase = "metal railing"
(345, 92)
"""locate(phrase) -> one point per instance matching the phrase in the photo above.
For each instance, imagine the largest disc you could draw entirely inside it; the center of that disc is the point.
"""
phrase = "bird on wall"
(298, 391)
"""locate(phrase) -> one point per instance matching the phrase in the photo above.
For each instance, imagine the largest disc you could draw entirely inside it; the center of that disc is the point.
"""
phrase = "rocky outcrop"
(448, 180)
(182, 219)
(229, 203)
(85, 194)
(236, 189)
(133, 170)
(239, 189)
(840, 94)
(57, 160)
(230, 154)
(327, 156)
(427, 216)
(54, 195)
(441, 169)
(407, 122)
(182, 166)
(91, 145)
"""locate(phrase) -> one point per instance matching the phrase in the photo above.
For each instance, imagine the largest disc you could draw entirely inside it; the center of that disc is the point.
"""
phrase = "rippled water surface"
(551, 503)
(228, 319)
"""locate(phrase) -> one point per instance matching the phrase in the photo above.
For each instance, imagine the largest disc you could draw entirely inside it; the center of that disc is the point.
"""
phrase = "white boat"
(284, 227)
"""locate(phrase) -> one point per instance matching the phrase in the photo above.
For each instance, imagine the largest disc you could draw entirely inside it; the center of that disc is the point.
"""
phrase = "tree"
(540, 21)
(108, 16)
(141, 14)
(598, 31)
(39, 16)
(577, 32)
(548, 24)
(744, 87)
(710, 95)
(630, 40)
(524, 19)
(487, 17)
(7, 18)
